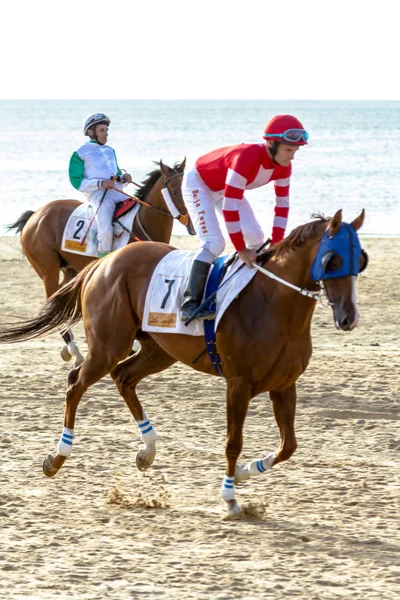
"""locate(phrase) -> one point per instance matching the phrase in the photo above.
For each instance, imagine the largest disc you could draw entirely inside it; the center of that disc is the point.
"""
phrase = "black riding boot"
(193, 294)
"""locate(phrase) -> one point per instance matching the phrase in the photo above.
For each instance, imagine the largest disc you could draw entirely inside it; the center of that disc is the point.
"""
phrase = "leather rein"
(182, 218)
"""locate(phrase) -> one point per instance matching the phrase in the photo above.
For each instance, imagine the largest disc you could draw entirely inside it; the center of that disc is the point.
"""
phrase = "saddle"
(80, 233)
(122, 208)
(164, 295)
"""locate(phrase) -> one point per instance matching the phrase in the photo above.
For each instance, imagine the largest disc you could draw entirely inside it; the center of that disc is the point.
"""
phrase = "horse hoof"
(234, 511)
(48, 468)
(143, 460)
(65, 354)
(242, 473)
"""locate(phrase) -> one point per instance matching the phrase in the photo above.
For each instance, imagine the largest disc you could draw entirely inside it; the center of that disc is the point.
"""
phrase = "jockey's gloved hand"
(248, 256)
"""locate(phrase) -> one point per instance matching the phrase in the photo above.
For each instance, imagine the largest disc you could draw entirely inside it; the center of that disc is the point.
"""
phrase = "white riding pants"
(203, 205)
(103, 220)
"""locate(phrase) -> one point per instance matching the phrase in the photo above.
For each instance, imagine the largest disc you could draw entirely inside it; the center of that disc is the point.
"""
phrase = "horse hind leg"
(149, 360)
(46, 263)
(110, 336)
(80, 379)
(71, 350)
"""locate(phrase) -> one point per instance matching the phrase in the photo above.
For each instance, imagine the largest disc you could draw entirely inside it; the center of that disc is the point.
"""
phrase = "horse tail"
(60, 312)
(21, 222)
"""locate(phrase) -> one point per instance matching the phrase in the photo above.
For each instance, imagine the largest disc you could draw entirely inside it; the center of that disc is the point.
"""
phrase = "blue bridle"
(344, 243)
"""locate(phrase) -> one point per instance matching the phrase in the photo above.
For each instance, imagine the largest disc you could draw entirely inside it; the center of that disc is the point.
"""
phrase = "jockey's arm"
(235, 184)
(281, 211)
(125, 178)
(77, 178)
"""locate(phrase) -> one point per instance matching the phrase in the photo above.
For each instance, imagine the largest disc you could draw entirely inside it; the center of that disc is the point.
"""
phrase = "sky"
(208, 49)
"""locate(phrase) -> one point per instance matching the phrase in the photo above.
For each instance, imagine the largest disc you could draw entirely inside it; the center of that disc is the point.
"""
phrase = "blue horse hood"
(347, 245)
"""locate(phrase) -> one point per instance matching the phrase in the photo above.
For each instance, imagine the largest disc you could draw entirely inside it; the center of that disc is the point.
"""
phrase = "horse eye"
(363, 261)
(335, 263)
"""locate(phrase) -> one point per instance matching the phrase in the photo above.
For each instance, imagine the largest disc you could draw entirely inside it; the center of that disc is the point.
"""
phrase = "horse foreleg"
(149, 360)
(71, 350)
(79, 380)
(284, 407)
(238, 398)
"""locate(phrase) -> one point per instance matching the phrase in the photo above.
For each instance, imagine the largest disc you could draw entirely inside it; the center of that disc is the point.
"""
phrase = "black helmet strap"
(94, 136)
(273, 149)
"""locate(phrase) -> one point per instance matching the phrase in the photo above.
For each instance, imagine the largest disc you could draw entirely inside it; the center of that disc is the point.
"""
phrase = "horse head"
(338, 261)
(172, 194)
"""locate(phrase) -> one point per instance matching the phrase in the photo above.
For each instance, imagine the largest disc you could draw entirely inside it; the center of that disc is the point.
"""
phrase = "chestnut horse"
(263, 338)
(42, 232)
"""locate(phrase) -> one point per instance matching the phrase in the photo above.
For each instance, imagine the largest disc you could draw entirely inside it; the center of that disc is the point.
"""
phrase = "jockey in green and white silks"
(91, 169)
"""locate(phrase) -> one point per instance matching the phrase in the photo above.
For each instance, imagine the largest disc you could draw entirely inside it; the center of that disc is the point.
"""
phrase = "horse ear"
(335, 223)
(182, 165)
(359, 221)
(164, 169)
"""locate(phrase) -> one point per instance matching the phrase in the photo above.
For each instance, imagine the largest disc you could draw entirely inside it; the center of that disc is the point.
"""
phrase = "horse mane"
(151, 179)
(302, 234)
(299, 236)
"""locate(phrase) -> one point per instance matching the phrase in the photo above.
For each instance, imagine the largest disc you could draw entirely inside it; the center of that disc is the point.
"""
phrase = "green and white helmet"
(95, 119)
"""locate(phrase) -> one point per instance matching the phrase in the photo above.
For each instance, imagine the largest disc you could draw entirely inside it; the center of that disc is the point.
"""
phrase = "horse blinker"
(339, 255)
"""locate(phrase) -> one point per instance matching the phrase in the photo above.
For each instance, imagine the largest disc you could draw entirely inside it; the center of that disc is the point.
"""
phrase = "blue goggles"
(290, 135)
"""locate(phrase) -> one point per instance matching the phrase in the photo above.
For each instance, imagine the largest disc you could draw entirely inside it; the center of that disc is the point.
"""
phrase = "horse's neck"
(293, 267)
(157, 226)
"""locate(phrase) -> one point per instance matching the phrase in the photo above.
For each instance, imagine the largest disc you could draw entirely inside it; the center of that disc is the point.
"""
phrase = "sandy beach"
(324, 525)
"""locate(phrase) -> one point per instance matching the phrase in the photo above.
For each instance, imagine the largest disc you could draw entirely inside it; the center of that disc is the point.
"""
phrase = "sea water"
(352, 160)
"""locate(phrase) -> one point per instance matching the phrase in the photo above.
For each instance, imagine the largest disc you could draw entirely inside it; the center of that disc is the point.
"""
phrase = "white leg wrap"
(255, 467)
(64, 446)
(260, 466)
(228, 488)
(147, 432)
(74, 350)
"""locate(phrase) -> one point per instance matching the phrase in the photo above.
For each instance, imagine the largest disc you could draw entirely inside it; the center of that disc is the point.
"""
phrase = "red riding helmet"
(286, 129)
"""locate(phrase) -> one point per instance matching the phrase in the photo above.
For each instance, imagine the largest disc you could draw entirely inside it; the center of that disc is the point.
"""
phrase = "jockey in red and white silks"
(218, 181)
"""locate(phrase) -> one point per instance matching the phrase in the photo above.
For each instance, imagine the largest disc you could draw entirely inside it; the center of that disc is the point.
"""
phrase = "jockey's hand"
(127, 178)
(248, 256)
(107, 184)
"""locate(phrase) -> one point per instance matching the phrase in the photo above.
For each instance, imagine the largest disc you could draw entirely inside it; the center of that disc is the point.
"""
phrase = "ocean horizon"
(351, 161)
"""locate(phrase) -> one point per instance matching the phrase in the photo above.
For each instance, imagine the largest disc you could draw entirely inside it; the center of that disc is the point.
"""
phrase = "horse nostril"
(346, 324)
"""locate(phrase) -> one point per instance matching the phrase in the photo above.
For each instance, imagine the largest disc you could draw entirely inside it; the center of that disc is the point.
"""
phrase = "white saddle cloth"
(164, 296)
(78, 240)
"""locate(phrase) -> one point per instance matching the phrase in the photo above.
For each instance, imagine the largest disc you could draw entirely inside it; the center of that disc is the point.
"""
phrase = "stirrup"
(203, 315)
(206, 314)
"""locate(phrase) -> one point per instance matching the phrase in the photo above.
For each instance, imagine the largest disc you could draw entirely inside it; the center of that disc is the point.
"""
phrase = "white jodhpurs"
(203, 204)
(103, 220)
